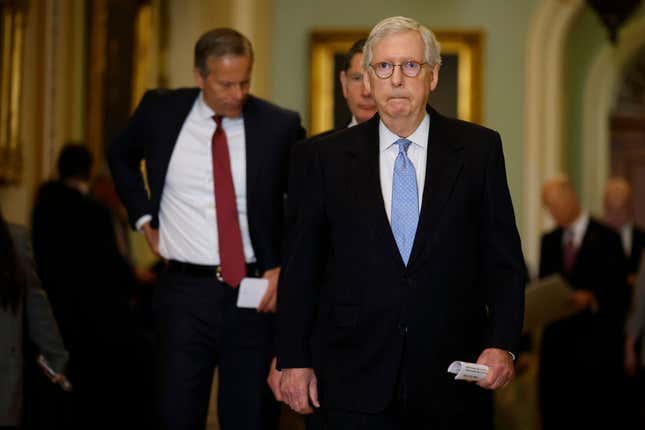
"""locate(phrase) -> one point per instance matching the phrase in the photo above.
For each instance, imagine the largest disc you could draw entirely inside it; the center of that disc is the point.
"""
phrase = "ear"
(199, 79)
(434, 77)
(343, 82)
(366, 80)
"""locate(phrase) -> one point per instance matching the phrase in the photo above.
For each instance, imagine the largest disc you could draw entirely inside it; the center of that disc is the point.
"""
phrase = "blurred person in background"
(24, 313)
(619, 214)
(581, 382)
(90, 287)
(635, 350)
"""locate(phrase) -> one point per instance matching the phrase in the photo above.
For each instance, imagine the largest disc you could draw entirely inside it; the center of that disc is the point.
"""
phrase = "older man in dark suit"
(580, 380)
(217, 164)
(619, 214)
(410, 212)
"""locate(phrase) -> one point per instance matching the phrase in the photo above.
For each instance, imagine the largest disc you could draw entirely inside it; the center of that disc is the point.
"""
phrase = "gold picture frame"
(462, 47)
(11, 45)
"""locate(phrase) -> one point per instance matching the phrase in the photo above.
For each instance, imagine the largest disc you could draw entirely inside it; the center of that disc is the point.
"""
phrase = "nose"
(365, 92)
(238, 94)
(397, 77)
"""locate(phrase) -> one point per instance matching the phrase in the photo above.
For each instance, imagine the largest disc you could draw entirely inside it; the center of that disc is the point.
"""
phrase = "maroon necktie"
(569, 251)
(231, 252)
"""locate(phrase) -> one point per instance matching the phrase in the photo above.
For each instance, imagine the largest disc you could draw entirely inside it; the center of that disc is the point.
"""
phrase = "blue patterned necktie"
(405, 201)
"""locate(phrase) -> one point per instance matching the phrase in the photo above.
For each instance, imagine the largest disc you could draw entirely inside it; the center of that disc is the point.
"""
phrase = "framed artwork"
(12, 15)
(459, 93)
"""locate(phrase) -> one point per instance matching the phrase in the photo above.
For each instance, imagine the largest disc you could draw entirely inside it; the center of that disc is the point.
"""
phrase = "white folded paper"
(468, 371)
(251, 292)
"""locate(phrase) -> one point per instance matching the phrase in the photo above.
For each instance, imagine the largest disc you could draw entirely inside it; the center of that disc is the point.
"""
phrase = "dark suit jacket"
(600, 267)
(593, 341)
(88, 281)
(638, 243)
(461, 292)
(152, 133)
(298, 164)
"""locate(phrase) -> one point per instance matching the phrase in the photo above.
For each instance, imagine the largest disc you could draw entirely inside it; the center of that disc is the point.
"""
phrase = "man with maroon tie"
(216, 161)
(581, 356)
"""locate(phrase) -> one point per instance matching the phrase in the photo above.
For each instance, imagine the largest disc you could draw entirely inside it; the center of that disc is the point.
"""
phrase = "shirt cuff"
(141, 221)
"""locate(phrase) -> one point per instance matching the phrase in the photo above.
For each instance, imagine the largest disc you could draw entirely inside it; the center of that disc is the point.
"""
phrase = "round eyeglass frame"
(394, 66)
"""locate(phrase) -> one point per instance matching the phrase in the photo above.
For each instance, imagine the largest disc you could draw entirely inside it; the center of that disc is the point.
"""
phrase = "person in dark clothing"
(580, 378)
(89, 284)
(25, 313)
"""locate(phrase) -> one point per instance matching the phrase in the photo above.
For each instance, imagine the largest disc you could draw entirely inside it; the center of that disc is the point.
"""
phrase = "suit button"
(403, 328)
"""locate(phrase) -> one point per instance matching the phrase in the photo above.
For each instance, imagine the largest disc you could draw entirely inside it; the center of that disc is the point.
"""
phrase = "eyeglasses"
(385, 69)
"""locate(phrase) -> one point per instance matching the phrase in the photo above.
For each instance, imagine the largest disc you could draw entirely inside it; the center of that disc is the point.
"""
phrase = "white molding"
(599, 97)
(543, 143)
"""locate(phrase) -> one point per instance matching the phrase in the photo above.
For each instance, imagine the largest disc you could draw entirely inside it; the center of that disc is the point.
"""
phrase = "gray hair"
(400, 24)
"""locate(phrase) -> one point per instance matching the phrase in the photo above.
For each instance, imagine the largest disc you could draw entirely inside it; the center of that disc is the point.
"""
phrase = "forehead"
(229, 65)
(355, 62)
(405, 45)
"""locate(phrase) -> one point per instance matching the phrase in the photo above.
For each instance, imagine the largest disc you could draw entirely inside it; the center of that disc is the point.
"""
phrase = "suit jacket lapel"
(367, 180)
(253, 144)
(443, 164)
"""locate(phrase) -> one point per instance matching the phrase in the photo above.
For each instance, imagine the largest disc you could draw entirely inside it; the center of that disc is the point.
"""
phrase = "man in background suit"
(424, 259)
(619, 214)
(217, 162)
(89, 284)
(362, 107)
(358, 97)
(581, 356)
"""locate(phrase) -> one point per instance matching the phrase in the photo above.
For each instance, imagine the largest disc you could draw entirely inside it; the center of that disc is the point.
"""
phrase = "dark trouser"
(200, 328)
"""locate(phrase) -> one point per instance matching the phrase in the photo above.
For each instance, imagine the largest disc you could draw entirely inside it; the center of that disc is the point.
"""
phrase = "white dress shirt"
(626, 235)
(578, 228)
(417, 153)
(187, 217)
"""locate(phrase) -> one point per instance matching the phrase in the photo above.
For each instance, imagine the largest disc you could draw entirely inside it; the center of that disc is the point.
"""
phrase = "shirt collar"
(353, 122)
(202, 109)
(418, 137)
(627, 227)
(579, 227)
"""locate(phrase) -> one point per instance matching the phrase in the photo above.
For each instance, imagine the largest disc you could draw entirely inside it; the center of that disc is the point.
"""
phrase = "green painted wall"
(505, 24)
(586, 39)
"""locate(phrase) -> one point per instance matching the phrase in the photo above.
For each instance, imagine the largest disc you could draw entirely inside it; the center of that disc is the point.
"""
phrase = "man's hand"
(274, 380)
(500, 368)
(270, 299)
(583, 299)
(631, 361)
(298, 387)
(152, 237)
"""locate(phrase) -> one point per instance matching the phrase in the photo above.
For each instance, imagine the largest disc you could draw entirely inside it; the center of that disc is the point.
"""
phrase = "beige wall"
(188, 20)
(53, 96)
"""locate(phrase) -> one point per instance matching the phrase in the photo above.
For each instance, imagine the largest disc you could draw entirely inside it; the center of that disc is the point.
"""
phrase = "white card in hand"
(468, 371)
(251, 292)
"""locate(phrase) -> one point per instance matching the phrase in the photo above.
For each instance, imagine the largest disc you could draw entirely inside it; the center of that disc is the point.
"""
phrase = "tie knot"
(404, 144)
(218, 120)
